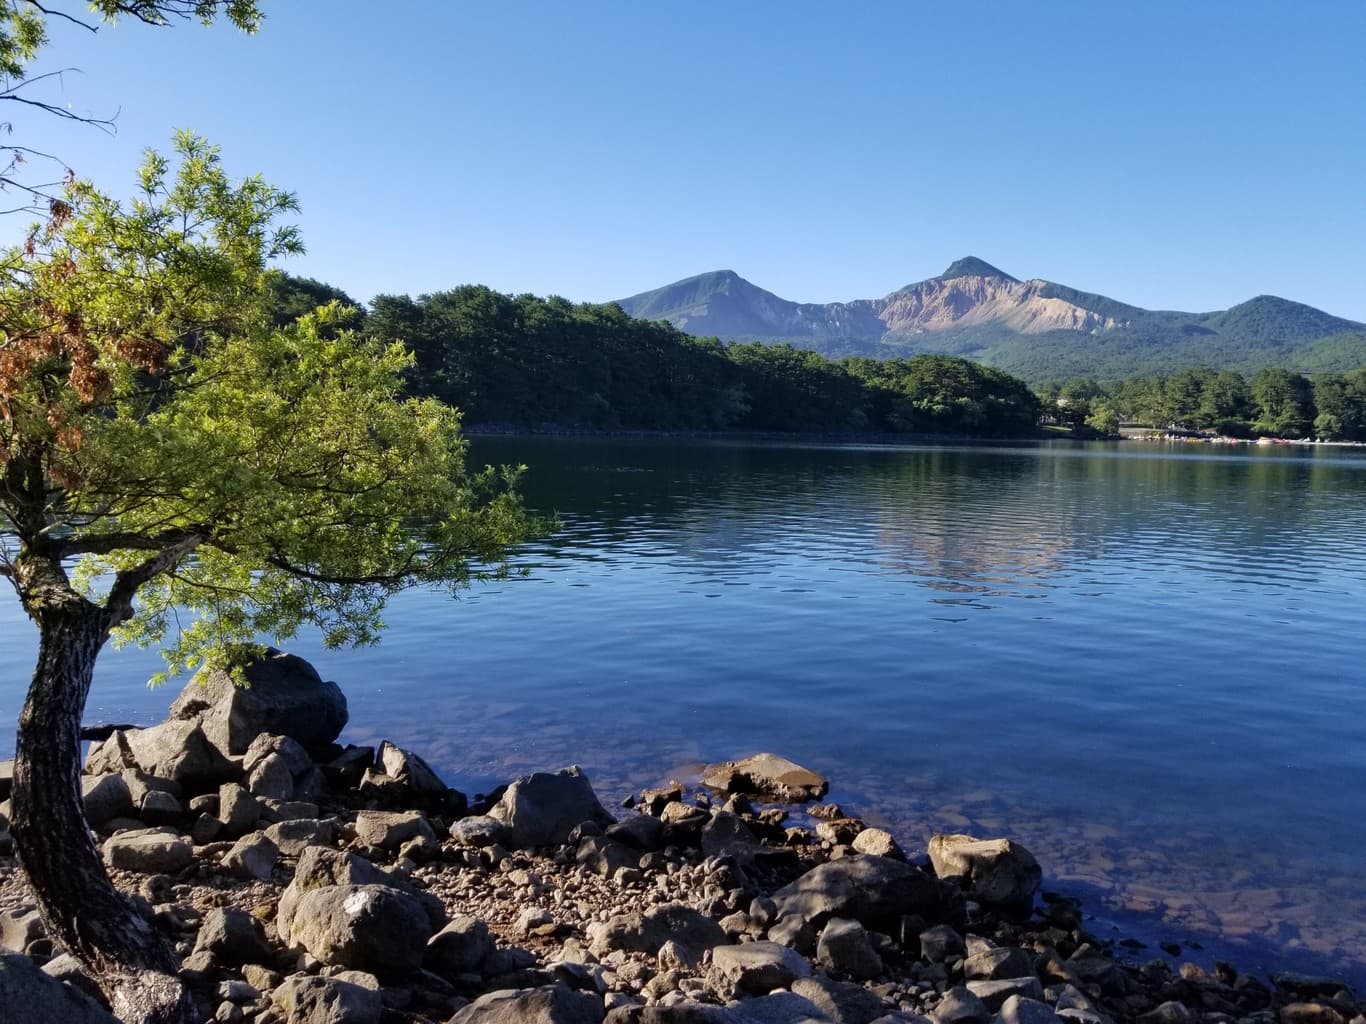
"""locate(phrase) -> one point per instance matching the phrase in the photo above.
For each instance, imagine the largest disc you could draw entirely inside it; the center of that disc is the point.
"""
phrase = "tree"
(1284, 403)
(23, 35)
(167, 451)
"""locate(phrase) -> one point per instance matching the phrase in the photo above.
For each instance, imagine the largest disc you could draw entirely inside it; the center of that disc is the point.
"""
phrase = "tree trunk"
(83, 911)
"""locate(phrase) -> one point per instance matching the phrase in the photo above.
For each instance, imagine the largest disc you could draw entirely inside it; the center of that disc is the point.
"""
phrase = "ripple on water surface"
(1145, 665)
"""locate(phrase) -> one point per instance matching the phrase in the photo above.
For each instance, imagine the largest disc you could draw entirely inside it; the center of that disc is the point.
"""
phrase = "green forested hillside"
(524, 360)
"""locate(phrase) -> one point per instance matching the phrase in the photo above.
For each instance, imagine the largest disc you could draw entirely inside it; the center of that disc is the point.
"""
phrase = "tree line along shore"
(521, 360)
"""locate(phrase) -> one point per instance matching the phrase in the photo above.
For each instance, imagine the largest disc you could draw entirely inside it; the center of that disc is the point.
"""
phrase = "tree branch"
(119, 604)
(106, 543)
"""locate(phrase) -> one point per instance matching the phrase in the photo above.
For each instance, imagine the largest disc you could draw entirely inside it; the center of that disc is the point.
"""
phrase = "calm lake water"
(1146, 664)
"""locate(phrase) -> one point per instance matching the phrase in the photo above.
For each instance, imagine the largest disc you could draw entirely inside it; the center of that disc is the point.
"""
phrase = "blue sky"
(1174, 155)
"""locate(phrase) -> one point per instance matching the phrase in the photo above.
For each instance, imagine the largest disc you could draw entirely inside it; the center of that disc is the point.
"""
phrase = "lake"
(1145, 663)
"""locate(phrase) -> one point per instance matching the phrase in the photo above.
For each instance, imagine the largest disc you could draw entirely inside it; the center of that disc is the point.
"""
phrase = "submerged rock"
(767, 776)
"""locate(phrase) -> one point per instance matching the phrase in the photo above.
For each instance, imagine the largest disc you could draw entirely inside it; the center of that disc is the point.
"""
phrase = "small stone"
(878, 842)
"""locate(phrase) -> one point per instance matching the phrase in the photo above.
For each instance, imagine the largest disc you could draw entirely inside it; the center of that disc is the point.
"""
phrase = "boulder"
(845, 948)
(391, 829)
(28, 996)
(1019, 1010)
(939, 943)
(552, 1004)
(479, 830)
(282, 695)
(959, 1006)
(238, 810)
(878, 842)
(234, 938)
(309, 999)
(179, 751)
(373, 928)
(998, 962)
(111, 755)
(253, 856)
(875, 891)
(998, 871)
(105, 797)
(295, 836)
(321, 866)
(158, 851)
(459, 948)
(756, 968)
(840, 1000)
(603, 856)
(767, 776)
(647, 933)
(541, 809)
(995, 993)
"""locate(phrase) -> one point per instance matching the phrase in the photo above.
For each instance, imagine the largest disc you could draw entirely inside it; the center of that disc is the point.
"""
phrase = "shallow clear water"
(1147, 664)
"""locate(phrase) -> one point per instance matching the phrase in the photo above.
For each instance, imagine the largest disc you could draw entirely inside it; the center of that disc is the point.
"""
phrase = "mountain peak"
(971, 266)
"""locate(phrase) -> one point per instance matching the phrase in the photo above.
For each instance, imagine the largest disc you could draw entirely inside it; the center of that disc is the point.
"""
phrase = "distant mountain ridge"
(1035, 328)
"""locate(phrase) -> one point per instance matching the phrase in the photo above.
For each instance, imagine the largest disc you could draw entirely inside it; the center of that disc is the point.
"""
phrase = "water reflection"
(1145, 666)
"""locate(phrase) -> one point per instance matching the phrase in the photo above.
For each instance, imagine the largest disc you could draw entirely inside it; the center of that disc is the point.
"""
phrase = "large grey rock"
(283, 696)
(845, 948)
(776, 1008)
(320, 866)
(295, 836)
(309, 999)
(459, 948)
(234, 937)
(182, 752)
(374, 928)
(875, 891)
(252, 856)
(756, 968)
(552, 1004)
(767, 776)
(637, 933)
(959, 1006)
(541, 809)
(556, 1004)
(28, 996)
(150, 850)
(995, 993)
(110, 755)
(998, 962)
(998, 871)
(391, 829)
(238, 810)
(841, 1001)
(105, 797)
(878, 842)
(1019, 1010)
(479, 830)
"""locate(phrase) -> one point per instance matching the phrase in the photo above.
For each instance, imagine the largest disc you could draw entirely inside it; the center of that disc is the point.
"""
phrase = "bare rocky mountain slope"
(1035, 328)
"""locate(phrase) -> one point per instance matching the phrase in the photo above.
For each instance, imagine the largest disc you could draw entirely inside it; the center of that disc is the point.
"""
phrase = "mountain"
(1036, 329)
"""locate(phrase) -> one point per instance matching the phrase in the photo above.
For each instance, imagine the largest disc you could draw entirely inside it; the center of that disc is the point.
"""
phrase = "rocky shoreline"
(304, 882)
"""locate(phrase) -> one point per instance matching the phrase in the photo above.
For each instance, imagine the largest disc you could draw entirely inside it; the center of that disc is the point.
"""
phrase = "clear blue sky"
(1171, 154)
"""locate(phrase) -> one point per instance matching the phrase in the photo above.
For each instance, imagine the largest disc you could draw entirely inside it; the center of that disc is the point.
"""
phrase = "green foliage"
(23, 23)
(243, 478)
(522, 360)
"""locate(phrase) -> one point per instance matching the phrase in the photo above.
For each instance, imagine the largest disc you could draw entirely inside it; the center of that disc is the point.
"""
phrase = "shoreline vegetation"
(546, 365)
(305, 881)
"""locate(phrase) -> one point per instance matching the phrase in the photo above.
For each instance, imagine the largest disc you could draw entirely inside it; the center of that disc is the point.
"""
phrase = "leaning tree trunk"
(83, 911)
